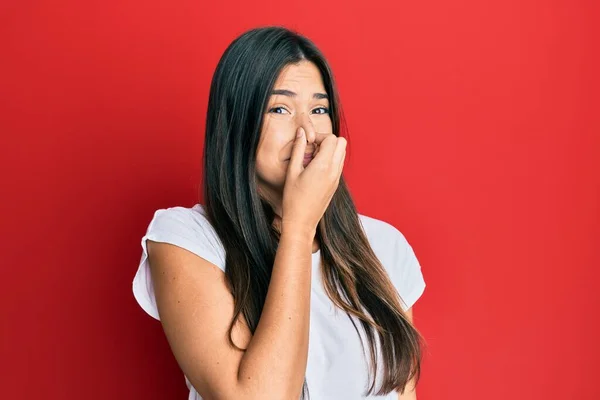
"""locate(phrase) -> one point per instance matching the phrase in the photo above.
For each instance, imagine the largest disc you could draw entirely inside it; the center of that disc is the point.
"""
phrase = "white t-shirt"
(336, 366)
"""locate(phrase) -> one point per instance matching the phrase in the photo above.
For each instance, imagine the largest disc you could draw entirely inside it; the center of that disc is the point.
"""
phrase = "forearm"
(274, 363)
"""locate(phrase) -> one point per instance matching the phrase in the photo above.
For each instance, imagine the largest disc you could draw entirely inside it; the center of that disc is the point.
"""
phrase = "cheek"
(269, 165)
(323, 125)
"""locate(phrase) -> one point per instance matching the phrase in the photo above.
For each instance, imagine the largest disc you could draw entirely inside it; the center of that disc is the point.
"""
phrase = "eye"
(274, 110)
(323, 110)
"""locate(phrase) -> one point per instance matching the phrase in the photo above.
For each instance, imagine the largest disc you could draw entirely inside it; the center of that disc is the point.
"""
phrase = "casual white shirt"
(337, 367)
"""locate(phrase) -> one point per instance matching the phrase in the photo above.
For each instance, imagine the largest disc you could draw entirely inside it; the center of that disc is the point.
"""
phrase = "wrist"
(298, 234)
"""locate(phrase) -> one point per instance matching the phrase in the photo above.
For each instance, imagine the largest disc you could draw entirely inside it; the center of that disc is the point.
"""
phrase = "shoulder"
(189, 228)
(381, 234)
(191, 217)
(184, 227)
(397, 257)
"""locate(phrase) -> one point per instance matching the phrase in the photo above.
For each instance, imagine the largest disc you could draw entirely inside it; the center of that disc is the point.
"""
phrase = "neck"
(275, 201)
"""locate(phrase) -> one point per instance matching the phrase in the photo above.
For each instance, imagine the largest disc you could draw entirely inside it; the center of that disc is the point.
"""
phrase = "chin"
(274, 183)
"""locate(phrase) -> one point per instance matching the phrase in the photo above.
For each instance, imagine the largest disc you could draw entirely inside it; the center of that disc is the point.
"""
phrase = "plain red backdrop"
(474, 129)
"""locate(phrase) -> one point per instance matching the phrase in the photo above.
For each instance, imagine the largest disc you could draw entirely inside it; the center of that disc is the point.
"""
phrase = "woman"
(276, 288)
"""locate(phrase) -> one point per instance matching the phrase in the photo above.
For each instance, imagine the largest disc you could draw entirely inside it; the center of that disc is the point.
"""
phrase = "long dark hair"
(353, 277)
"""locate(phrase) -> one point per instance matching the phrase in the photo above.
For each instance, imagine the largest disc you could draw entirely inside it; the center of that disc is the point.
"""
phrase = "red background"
(474, 129)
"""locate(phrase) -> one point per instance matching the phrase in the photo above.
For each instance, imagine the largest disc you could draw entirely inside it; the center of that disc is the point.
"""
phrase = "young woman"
(275, 287)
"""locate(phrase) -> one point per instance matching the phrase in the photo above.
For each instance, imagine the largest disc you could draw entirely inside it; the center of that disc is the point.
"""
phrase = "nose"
(303, 120)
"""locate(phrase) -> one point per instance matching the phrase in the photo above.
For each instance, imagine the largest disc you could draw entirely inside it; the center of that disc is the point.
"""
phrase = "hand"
(308, 190)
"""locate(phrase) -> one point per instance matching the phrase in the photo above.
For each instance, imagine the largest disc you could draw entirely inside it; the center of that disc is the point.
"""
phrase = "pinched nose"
(303, 120)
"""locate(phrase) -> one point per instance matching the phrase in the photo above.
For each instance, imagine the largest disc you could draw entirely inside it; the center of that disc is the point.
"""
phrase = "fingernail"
(299, 132)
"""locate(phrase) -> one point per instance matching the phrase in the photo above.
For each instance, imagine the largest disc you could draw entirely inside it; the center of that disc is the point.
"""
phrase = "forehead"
(302, 75)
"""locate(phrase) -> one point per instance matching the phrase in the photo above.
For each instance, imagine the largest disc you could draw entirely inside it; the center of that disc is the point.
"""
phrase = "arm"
(196, 307)
(410, 393)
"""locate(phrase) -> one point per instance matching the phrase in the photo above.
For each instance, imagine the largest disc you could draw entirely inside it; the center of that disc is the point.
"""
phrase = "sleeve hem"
(143, 289)
(146, 305)
(410, 299)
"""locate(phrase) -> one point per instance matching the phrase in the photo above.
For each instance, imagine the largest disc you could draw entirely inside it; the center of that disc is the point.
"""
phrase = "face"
(298, 99)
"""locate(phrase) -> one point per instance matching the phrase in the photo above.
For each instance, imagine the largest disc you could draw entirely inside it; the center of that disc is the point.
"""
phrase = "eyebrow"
(289, 93)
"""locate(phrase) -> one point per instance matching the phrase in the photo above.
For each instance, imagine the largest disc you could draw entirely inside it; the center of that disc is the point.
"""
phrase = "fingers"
(339, 154)
(296, 161)
(331, 155)
(312, 136)
(329, 150)
(319, 137)
(309, 128)
(326, 148)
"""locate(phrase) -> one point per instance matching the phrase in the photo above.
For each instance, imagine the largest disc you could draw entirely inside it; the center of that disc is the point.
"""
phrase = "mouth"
(307, 158)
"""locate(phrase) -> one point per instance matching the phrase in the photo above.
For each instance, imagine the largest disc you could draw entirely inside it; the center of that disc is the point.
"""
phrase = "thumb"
(297, 159)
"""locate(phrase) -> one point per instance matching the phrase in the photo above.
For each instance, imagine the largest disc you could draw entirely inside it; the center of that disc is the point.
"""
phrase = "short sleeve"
(397, 257)
(187, 228)
(407, 276)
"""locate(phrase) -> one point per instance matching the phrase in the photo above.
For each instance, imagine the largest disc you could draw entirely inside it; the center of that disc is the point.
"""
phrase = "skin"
(196, 306)
(193, 298)
(299, 101)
